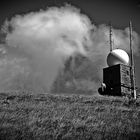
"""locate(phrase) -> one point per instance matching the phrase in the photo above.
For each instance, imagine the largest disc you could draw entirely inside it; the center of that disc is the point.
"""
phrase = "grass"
(74, 117)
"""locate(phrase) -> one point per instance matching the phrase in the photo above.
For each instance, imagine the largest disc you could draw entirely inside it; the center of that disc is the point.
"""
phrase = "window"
(127, 72)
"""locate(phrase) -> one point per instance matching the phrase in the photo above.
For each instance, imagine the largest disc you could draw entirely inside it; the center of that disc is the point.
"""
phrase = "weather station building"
(119, 76)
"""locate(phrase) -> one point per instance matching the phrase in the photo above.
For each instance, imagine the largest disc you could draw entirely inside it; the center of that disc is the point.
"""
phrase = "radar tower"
(119, 76)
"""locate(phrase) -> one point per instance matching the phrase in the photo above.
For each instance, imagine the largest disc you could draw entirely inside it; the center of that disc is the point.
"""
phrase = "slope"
(72, 117)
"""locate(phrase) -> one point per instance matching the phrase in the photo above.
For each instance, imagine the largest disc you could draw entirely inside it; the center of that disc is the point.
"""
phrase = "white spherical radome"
(117, 56)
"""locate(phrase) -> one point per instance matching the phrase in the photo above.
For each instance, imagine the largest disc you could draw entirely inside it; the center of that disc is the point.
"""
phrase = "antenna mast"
(133, 86)
(110, 36)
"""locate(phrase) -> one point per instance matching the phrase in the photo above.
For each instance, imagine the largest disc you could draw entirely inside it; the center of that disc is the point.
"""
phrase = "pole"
(133, 86)
(110, 37)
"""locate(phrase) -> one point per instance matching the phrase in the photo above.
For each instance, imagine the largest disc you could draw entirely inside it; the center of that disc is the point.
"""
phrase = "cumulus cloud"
(38, 43)
(46, 38)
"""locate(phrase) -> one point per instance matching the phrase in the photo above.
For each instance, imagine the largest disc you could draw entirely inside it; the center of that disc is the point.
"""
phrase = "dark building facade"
(117, 79)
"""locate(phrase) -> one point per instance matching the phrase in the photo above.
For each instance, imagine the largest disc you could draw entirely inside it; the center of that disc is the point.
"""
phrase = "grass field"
(25, 116)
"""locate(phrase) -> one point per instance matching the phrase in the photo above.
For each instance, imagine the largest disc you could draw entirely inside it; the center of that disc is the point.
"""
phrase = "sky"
(119, 12)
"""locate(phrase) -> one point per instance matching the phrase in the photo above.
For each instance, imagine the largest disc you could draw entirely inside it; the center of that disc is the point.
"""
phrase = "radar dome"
(117, 56)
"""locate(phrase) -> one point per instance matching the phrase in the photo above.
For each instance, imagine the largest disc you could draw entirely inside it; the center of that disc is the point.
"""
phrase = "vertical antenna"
(131, 50)
(132, 63)
(110, 36)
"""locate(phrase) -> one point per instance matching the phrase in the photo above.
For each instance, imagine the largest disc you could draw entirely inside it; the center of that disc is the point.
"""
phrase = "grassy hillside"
(74, 117)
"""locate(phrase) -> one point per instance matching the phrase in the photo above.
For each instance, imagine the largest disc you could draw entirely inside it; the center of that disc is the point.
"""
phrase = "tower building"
(119, 76)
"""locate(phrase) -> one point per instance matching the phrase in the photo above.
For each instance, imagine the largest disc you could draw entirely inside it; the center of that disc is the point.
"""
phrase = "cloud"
(45, 39)
(38, 43)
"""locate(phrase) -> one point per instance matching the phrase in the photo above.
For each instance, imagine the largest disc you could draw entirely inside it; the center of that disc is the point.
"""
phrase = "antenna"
(110, 36)
(133, 87)
(131, 49)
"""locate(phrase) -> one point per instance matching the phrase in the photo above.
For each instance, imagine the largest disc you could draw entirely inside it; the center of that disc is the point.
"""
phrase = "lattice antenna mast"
(133, 84)
(110, 37)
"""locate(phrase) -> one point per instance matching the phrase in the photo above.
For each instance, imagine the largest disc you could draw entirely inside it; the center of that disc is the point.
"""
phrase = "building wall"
(118, 79)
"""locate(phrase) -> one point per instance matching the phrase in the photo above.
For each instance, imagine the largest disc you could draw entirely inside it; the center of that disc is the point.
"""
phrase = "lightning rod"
(133, 86)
